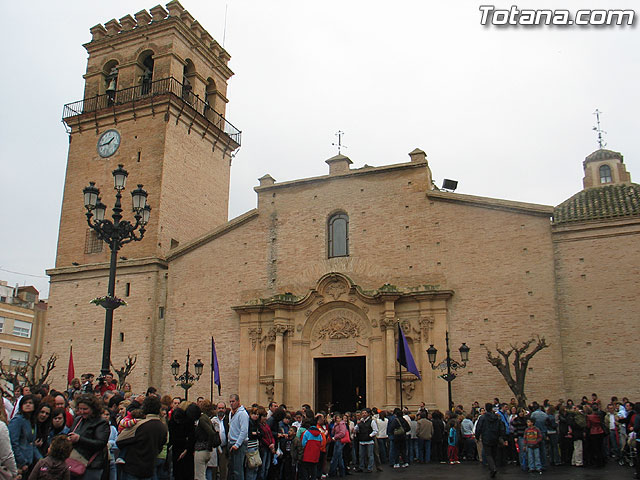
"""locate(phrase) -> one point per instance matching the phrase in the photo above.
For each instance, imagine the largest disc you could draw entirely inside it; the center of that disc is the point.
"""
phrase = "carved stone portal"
(339, 327)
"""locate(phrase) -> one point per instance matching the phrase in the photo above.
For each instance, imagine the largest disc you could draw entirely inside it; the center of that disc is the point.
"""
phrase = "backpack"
(581, 420)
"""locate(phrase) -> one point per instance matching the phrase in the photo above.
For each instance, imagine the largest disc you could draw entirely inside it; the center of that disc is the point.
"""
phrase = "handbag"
(76, 462)
(253, 459)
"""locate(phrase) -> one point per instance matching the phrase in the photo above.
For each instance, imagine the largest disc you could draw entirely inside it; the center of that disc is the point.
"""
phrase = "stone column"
(389, 322)
(278, 370)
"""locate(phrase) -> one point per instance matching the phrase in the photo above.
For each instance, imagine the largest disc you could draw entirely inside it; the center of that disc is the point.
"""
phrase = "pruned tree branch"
(521, 358)
(125, 371)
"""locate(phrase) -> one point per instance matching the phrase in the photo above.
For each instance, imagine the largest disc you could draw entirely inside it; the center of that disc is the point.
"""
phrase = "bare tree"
(521, 358)
(125, 371)
(31, 374)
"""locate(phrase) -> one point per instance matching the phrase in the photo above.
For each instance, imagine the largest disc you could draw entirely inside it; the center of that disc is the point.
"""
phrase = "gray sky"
(506, 112)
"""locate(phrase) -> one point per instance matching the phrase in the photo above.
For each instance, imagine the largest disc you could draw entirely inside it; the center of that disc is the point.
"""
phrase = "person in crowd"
(89, 436)
(438, 440)
(399, 428)
(518, 426)
(7, 458)
(181, 429)
(253, 442)
(23, 438)
(237, 438)
(366, 431)
(578, 424)
(596, 435)
(112, 449)
(491, 432)
(143, 442)
(202, 442)
(552, 435)
(340, 436)
(425, 433)
(311, 444)
(468, 440)
(43, 426)
(61, 402)
(533, 445)
(452, 442)
(53, 466)
(565, 435)
(267, 444)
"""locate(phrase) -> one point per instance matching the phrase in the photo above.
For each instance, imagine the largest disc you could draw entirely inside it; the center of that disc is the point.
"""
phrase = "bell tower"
(159, 80)
(154, 101)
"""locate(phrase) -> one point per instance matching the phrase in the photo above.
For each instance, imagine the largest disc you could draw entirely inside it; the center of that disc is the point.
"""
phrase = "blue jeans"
(424, 450)
(236, 462)
(523, 454)
(413, 449)
(534, 458)
(383, 449)
(159, 473)
(337, 462)
(392, 451)
(267, 458)
(250, 473)
(366, 455)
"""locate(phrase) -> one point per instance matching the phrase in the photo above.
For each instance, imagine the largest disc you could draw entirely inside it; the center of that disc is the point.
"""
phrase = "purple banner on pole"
(404, 356)
(216, 369)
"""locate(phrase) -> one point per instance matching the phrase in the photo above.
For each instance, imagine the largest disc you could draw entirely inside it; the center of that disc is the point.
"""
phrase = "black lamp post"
(448, 364)
(115, 233)
(186, 379)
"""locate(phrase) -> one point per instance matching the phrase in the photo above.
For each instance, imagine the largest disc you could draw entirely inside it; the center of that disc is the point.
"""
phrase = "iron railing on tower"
(164, 86)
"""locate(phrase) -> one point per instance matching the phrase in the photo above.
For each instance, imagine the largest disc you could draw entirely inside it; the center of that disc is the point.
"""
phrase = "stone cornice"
(99, 267)
(492, 203)
(351, 173)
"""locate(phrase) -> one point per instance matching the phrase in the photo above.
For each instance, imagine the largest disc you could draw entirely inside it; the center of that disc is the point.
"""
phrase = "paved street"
(473, 471)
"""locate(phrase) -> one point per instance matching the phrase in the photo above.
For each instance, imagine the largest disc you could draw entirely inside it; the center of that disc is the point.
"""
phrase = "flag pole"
(211, 384)
(399, 366)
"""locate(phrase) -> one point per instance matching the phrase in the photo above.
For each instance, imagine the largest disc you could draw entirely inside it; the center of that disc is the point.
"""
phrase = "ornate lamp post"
(186, 379)
(448, 364)
(115, 233)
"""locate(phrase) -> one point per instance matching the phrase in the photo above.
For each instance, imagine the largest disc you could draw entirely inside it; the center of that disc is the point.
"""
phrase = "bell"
(112, 86)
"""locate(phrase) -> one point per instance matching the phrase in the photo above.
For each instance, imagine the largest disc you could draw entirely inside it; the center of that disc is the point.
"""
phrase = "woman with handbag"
(22, 433)
(253, 461)
(8, 469)
(89, 436)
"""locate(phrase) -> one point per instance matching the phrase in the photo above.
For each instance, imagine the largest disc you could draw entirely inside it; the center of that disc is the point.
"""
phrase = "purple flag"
(404, 356)
(214, 364)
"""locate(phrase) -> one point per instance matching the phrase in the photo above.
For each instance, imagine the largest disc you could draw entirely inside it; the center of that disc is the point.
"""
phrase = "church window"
(338, 235)
(605, 174)
(93, 244)
(145, 71)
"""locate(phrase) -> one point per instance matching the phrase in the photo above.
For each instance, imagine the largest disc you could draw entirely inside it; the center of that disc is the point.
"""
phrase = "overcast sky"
(506, 112)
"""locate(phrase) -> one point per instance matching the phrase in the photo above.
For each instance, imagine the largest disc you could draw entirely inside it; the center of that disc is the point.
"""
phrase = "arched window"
(210, 97)
(605, 174)
(338, 240)
(145, 71)
(188, 75)
(110, 77)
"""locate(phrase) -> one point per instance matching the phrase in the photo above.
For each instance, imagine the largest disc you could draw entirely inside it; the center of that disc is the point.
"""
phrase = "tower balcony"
(150, 95)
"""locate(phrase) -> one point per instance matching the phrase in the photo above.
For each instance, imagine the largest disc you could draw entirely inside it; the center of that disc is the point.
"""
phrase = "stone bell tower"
(154, 101)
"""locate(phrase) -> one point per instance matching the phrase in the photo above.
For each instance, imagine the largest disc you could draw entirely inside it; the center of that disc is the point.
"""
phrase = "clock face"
(108, 143)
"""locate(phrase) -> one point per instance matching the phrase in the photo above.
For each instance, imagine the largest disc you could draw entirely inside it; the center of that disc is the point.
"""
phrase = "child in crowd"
(452, 442)
(532, 441)
(53, 466)
(129, 421)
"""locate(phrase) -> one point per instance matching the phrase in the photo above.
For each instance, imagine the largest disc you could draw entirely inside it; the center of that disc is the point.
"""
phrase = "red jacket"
(312, 443)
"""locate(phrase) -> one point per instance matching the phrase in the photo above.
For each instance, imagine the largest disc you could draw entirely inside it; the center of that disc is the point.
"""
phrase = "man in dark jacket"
(490, 431)
(143, 442)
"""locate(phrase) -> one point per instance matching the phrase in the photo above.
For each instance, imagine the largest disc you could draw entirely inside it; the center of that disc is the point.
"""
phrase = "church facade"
(303, 294)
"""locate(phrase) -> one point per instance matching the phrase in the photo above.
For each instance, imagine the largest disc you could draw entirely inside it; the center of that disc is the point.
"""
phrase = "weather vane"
(601, 142)
(339, 144)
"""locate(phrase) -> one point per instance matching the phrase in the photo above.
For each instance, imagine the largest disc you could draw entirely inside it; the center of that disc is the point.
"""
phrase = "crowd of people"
(103, 433)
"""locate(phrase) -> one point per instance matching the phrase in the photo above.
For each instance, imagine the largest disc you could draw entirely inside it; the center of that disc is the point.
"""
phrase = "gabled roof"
(610, 201)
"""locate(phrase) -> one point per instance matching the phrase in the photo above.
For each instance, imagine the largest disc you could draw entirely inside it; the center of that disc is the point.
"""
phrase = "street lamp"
(448, 364)
(115, 233)
(186, 379)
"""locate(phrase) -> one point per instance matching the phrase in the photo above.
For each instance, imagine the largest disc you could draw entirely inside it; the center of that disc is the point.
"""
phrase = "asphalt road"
(473, 471)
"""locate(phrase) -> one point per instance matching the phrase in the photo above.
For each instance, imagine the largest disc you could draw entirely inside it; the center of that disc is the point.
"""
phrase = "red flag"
(71, 372)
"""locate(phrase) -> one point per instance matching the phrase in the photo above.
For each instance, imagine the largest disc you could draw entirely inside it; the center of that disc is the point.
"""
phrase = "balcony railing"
(165, 86)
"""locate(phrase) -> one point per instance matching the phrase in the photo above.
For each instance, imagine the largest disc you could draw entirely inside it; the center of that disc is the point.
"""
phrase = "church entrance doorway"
(340, 383)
